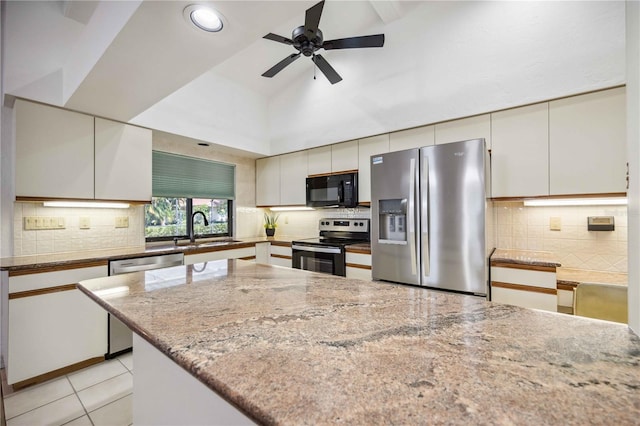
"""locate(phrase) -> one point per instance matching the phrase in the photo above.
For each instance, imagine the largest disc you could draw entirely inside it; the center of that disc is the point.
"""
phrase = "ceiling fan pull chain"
(313, 59)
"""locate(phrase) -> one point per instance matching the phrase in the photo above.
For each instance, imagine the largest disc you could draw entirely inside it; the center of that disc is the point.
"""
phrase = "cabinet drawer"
(358, 259)
(524, 277)
(280, 250)
(526, 299)
(39, 281)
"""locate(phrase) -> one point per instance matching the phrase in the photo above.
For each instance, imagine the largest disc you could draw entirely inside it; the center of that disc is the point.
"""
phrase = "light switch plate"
(85, 222)
(43, 222)
(555, 223)
(122, 221)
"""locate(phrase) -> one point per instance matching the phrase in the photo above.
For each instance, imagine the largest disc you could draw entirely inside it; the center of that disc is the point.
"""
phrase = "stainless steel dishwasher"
(119, 335)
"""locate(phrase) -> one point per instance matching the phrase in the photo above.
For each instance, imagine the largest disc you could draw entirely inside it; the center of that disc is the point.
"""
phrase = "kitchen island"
(285, 346)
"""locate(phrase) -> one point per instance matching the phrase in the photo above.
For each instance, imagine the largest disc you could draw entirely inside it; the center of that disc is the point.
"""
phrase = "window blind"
(180, 176)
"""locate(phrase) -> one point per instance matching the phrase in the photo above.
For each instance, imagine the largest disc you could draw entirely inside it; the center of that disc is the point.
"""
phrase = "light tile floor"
(98, 395)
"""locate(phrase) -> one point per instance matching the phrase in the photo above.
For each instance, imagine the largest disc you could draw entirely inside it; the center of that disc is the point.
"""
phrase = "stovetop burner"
(340, 232)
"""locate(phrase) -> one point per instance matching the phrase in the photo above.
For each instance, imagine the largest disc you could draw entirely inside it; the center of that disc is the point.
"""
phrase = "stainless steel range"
(327, 252)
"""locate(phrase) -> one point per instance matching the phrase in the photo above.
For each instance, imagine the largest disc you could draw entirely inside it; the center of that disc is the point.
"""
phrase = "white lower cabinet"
(529, 288)
(236, 253)
(280, 255)
(358, 265)
(52, 325)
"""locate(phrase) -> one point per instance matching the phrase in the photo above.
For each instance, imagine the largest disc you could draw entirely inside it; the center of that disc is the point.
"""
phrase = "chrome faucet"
(192, 234)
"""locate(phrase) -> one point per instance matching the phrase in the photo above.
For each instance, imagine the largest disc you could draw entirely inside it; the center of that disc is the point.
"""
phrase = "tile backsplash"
(101, 234)
(305, 223)
(528, 228)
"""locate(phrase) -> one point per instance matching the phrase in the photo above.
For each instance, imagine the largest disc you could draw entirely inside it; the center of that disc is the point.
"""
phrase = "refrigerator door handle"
(426, 265)
(411, 217)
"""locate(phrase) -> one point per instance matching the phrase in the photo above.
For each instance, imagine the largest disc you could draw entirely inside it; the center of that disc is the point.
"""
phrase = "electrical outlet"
(43, 222)
(286, 220)
(122, 221)
(85, 223)
(555, 223)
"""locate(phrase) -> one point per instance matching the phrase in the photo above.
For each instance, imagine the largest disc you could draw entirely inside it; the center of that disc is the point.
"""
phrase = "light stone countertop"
(576, 276)
(294, 347)
(525, 257)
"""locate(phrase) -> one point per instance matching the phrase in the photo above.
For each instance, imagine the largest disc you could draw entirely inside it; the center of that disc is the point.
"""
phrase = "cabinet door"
(366, 148)
(344, 156)
(319, 160)
(212, 256)
(293, 174)
(520, 152)
(51, 324)
(122, 161)
(465, 129)
(412, 138)
(268, 181)
(54, 152)
(587, 143)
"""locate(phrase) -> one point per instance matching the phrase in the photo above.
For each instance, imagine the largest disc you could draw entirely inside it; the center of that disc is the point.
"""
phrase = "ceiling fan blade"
(355, 42)
(280, 65)
(312, 20)
(278, 38)
(327, 69)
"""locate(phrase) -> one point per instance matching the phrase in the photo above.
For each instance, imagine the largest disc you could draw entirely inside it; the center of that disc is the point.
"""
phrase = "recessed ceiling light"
(203, 17)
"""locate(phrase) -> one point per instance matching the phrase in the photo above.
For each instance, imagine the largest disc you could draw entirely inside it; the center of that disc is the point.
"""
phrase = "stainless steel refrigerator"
(428, 212)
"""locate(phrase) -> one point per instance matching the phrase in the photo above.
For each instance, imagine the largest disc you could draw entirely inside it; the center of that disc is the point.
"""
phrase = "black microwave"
(333, 190)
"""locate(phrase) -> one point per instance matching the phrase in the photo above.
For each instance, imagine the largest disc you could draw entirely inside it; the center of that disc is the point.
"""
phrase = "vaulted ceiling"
(141, 62)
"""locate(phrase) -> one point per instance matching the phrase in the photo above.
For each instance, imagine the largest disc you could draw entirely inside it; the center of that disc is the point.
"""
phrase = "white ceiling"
(140, 62)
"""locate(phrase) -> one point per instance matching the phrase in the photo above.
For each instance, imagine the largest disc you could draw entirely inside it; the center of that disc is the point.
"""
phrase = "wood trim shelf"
(281, 243)
(281, 256)
(41, 291)
(520, 287)
(356, 265)
(357, 250)
(522, 266)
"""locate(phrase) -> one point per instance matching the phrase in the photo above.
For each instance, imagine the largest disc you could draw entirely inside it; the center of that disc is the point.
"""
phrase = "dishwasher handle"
(124, 266)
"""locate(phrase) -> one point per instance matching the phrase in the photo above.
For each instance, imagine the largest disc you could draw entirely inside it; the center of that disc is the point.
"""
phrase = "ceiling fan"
(307, 39)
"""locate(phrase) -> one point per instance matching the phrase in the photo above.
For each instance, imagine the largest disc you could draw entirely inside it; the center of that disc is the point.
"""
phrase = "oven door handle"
(331, 250)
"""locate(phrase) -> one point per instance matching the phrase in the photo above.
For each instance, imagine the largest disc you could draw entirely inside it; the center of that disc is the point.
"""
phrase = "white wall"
(633, 140)
(475, 57)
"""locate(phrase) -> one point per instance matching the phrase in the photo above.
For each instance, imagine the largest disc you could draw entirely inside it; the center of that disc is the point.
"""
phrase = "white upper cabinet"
(319, 160)
(54, 152)
(293, 174)
(412, 138)
(122, 161)
(268, 181)
(587, 143)
(366, 148)
(464, 129)
(520, 151)
(344, 156)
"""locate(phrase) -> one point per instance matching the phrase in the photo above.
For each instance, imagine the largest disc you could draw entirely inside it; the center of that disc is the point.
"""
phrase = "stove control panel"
(348, 225)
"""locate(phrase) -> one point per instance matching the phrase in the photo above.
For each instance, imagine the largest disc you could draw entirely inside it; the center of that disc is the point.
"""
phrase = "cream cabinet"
(268, 181)
(587, 143)
(464, 129)
(520, 151)
(526, 286)
(64, 154)
(52, 325)
(358, 265)
(280, 255)
(122, 161)
(293, 174)
(319, 160)
(366, 148)
(412, 138)
(344, 156)
(54, 152)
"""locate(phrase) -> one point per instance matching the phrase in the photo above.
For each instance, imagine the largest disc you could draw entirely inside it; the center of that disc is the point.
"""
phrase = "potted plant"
(270, 223)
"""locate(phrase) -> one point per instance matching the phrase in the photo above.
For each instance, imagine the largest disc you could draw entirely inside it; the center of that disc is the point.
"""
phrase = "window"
(183, 185)
(168, 218)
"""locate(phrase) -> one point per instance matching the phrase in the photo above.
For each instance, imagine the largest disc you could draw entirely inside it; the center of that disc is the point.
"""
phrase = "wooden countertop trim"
(247, 258)
(566, 285)
(355, 265)
(281, 243)
(28, 270)
(41, 291)
(524, 288)
(209, 249)
(523, 266)
(357, 250)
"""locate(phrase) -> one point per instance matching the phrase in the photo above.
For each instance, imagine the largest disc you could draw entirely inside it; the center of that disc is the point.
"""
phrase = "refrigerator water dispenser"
(393, 220)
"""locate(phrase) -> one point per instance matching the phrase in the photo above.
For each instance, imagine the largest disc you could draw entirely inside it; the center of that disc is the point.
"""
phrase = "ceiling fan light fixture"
(204, 18)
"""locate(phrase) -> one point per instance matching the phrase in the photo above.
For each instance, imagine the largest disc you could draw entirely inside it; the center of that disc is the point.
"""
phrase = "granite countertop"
(574, 277)
(72, 259)
(525, 257)
(293, 347)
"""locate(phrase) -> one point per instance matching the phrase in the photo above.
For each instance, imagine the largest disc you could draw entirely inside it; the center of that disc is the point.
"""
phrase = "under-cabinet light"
(290, 208)
(558, 202)
(86, 204)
